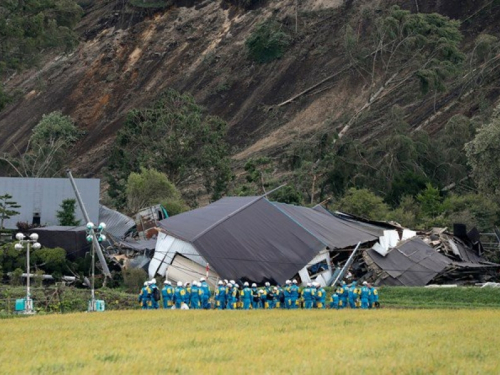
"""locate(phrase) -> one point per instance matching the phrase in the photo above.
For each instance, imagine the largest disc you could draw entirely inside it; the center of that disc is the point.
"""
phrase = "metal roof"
(45, 195)
(117, 224)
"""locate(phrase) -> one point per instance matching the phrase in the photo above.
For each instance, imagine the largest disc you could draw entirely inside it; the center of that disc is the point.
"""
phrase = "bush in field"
(267, 42)
(133, 279)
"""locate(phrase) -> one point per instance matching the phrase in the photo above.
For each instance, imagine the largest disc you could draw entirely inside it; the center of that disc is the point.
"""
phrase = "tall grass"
(253, 342)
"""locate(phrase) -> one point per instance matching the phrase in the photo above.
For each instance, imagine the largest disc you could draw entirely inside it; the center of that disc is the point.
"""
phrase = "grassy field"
(254, 342)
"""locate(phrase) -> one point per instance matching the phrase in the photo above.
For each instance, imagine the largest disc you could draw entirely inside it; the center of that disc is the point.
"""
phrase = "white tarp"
(389, 240)
(166, 248)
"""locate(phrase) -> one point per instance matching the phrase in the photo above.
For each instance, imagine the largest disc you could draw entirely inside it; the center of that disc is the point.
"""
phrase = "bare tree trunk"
(313, 187)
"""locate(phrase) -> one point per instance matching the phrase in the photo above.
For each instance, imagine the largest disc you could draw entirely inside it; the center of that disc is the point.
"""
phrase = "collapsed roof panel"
(334, 232)
(117, 224)
(71, 239)
(258, 243)
(189, 225)
(412, 263)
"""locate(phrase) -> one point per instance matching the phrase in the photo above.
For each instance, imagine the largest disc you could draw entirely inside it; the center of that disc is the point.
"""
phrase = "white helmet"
(195, 282)
(202, 279)
(246, 283)
(294, 281)
(225, 281)
(288, 282)
(153, 281)
(365, 283)
(179, 283)
(146, 283)
(232, 282)
(166, 282)
(254, 285)
(267, 283)
(220, 282)
(229, 285)
(308, 284)
(275, 288)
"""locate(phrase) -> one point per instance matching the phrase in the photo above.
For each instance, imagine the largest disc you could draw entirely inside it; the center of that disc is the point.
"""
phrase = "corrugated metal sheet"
(412, 263)
(45, 195)
(117, 224)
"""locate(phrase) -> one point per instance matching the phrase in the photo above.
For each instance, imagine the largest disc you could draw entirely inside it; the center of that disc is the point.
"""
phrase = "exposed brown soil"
(126, 59)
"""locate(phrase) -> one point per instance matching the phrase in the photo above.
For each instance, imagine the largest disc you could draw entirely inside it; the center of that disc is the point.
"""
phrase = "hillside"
(128, 55)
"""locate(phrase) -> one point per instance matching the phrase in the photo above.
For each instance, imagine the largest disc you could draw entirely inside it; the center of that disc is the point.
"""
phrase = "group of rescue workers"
(229, 295)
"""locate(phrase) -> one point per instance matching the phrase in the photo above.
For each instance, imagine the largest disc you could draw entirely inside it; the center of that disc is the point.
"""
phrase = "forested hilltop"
(390, 109)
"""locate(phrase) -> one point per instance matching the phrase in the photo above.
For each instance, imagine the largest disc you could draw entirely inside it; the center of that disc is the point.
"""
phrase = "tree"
(430, 201)
(482, 156)
(405, 47)
(267, 42)
(150, 187)
(176, 137)
(29, 27)
(364, 203)
(7, 206)
(66, 215)
(46, 152)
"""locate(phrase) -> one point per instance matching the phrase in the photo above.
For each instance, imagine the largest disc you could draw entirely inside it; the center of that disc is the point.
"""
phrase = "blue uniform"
(255, 299)
(220, 297)
(308, 295)
(294, 296)
(343, 295)
(168, 296)
(246, 296)
(206, 295)
(145, 297)
(179, 297)
(287, 294)
(196, 297)
(154, 302)
(263, 298)
(353, 295)
(373, 298)
(365, 296)
(232, 299)
(335, 301)
(320, 298)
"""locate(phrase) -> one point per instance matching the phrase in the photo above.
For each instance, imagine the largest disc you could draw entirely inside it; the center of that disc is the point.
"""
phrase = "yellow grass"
(254, 342)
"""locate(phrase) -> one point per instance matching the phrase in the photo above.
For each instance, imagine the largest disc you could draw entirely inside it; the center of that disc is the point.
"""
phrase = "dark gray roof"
(246, 238)
(71, 239)
(117, 224)
(329, 229)
(138, 245)
(45, 195)
(412, 263)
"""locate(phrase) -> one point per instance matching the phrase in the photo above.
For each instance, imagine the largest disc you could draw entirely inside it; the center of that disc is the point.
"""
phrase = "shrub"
(267, 42)
(133, 279)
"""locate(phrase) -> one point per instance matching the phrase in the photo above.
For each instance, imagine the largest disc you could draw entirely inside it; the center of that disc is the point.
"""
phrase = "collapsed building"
(254, 239)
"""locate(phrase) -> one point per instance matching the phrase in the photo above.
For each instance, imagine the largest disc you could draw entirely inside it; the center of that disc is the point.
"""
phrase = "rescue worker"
(353, 295)
(229, 297)
(246, 296)
(220, 296)
(287, 294)
(281, 291)
(270, 298)
(236, 296)
(357, 293)
(255, 297)
(308, 296)
(294, 294)
(373, 299)
(335, 301)
(277, 297)
(179, 295)
(205, 304)
(168, 295)
(155, 294)
(187, 297)
(144, 296)
(263, 298)
(320, 296)
(196, 296)
(340, 292)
